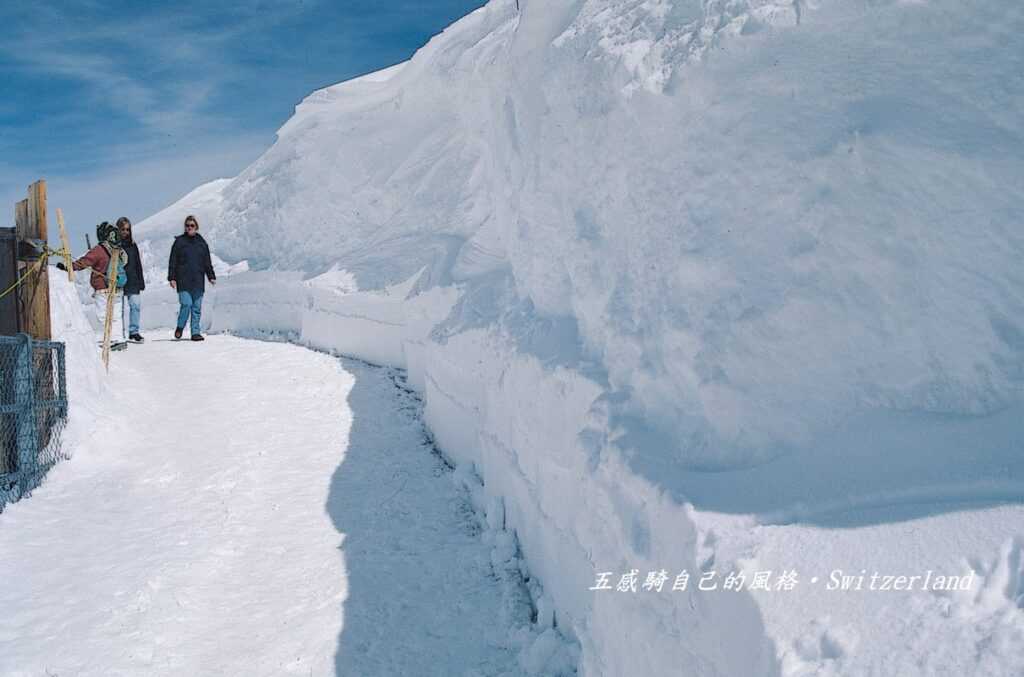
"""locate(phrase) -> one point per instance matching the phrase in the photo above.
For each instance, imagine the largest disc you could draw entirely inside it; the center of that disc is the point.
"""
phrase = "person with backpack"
(187, 270)
(97, 260)
(136, 282)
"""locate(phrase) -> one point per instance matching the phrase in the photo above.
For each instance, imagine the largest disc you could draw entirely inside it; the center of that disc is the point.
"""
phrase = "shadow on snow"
(422, 598)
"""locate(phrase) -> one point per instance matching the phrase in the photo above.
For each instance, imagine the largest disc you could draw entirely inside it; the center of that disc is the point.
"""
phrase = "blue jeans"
(191, 304)
(134, 312)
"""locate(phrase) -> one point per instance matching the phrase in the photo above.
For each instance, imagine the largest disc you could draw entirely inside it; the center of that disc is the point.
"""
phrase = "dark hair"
(124, 221)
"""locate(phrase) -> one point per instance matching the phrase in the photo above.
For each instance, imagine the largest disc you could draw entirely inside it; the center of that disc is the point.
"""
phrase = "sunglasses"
(191, 225)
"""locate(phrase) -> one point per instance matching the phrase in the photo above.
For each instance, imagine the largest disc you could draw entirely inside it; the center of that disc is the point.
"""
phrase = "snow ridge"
(654, 38)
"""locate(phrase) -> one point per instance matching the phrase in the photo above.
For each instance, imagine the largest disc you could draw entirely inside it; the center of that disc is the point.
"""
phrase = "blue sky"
(125, 106)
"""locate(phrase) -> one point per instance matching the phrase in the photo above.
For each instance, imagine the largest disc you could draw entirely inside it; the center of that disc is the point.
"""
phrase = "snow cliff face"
(761, 218)
(618, 243)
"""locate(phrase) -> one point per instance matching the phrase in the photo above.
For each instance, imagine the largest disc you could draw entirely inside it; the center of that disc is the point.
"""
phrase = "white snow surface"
(687, 285)
(252, 508)
(86, 384)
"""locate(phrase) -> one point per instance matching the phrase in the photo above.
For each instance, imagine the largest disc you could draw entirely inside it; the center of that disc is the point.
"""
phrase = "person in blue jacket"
(187, 270)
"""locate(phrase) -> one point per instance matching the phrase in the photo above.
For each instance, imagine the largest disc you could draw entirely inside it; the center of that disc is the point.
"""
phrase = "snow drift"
(86, 381)
(620, 244)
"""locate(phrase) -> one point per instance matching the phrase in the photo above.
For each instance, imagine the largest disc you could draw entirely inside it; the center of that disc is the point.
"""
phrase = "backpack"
(122, 259)
(122, 274)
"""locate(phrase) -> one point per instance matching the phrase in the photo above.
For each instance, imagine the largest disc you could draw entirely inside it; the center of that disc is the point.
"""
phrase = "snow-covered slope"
(86, 378)
(621, 243)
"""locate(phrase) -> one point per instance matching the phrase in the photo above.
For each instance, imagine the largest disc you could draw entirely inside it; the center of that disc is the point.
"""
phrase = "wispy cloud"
(137, 189)
(124, 106)
(159, 69)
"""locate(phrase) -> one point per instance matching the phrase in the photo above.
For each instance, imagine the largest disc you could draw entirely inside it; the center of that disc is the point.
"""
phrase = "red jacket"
(98, 259)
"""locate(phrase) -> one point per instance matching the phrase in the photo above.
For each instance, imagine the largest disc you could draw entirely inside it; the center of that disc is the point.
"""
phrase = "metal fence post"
(62, 383)
(24, 396)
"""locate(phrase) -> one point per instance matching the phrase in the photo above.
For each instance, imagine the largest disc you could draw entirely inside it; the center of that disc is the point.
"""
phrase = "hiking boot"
(137, 338)
(177, 332)
(197, 337)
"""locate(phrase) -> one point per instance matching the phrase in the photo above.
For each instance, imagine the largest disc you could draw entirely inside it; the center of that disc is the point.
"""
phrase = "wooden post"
(65, 245)
(20, 233)
(34, 291)
(108, 321)
(34, 297)
(21, 218)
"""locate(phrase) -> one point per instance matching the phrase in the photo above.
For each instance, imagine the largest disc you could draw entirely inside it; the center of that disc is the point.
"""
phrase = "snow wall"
(646, 259)
(88, 393)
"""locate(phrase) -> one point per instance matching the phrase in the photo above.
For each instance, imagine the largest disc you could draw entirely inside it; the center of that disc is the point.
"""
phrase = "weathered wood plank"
(21, 219)
(65, 245)
(35, 289)
(37, 209)
(108, 321)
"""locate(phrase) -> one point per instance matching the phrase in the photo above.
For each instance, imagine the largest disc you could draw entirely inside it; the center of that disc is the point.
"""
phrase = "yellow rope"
(54, 252)
(31, 269)
(47, 253)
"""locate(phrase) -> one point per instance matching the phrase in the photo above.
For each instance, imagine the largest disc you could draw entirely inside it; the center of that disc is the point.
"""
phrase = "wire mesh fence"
(33, 412)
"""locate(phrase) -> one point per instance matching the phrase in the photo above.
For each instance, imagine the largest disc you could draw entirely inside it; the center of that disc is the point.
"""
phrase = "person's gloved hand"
(61, 266)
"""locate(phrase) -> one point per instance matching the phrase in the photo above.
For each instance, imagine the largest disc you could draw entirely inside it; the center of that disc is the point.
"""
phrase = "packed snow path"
(249, 508)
